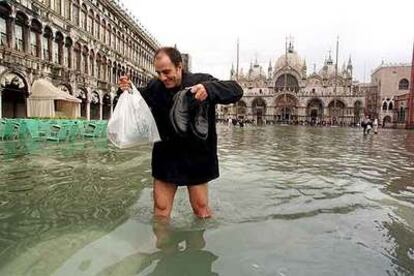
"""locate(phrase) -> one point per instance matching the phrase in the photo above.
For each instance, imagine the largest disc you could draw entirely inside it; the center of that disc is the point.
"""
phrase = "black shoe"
(180, 112)
(199, 123)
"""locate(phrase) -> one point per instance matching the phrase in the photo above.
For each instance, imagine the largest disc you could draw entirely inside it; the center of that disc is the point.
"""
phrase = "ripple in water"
(290, 201)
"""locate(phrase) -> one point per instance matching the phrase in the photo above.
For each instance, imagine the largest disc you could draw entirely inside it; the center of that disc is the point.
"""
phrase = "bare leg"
(164, 193)
(199, 200)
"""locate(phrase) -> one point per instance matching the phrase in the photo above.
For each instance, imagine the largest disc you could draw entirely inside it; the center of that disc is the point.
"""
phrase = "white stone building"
(287, 93)
(81, 46)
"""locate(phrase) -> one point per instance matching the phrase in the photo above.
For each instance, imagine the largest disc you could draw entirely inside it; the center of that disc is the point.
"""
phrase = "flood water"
(290, 201)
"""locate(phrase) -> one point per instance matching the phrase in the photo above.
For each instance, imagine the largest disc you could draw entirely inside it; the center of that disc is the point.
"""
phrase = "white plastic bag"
(132, 122)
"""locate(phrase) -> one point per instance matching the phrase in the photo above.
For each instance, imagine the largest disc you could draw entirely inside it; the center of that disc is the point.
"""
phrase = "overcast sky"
(369, 31)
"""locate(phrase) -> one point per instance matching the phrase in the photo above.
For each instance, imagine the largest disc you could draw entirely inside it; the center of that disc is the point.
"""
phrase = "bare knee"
(202, 210)
(162, 208)
(163, 198)
(199, 200)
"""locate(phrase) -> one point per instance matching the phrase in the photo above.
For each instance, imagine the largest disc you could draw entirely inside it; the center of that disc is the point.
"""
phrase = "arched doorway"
(286, 108)
(83, 96)
(259, 110)
(241, 109)
(95, 106)
(106, 107)
(386, 120)
(336, 111)
(314, 111)
(358, 111)
(14, 93)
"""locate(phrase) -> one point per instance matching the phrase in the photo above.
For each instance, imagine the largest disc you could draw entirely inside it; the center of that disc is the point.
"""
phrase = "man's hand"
(200, 92)
(124, 83)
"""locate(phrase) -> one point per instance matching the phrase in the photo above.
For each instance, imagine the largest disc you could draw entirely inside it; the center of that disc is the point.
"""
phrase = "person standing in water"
(184, 160)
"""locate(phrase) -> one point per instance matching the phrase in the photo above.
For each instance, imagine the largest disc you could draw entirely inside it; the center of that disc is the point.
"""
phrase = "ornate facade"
(287, 93)
(81, 46)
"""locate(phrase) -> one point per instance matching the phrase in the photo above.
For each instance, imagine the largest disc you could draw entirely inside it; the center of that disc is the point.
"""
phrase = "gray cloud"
(369, 31)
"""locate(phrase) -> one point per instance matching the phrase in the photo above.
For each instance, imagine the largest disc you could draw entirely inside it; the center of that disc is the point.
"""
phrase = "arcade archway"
(14, 93)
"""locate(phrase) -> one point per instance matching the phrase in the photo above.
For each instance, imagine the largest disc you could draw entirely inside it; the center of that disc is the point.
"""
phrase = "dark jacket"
(187, 160)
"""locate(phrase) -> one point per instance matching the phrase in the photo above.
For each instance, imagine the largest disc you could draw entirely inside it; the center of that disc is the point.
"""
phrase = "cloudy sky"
(369, 31)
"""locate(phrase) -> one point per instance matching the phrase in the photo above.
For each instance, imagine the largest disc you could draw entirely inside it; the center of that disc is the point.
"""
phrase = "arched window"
(287, 81)
(83, 18)
(122, 45)
(384, 106)
(104, 67)
(103, 36)
(114, 39)
(67, 54)
(47, 43)
(109, 71)
(98, 66)
(98, 27)
(58, 49)
(404, 84)
(58, 6)
(114, 67)
(85, 62)
(68, 9)
(75, 12)
(91, 21)
(390, 106)
(19, 31)
(78, 50)
(109, 35)
(118, 43)
(5, 12)
(35, 38)
(92, 64)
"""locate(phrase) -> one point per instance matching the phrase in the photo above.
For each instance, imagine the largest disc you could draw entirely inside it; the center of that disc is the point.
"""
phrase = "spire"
(329, 60)
(269, 70)
(349, 67)
(238, 58)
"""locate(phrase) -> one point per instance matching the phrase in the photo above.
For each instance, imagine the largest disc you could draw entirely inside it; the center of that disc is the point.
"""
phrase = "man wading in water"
(187, 153)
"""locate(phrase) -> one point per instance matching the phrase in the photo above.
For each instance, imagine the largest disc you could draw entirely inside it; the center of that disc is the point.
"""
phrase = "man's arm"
(222, 92)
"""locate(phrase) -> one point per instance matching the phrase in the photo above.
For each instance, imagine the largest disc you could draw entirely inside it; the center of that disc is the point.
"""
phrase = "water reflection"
(181, 252)
(324, 192)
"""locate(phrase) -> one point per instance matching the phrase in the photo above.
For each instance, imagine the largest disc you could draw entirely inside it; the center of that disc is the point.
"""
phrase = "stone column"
(88, 110)
(39, 45)
(26, 38)
(1, 111)
(10, 27)
(100, 111)
(28, 111)
(112, 104)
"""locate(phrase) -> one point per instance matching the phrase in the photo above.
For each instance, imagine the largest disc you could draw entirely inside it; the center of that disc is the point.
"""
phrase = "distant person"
(375, 125)
(364, 125)
(369, 125)
(241, 123)
(234, 122)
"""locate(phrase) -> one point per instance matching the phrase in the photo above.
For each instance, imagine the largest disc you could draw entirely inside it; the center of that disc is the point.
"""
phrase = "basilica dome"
(256, 72)
(293, 60)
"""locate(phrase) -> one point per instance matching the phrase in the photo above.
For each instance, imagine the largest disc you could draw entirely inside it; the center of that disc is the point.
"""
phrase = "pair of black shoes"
(189, 114)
